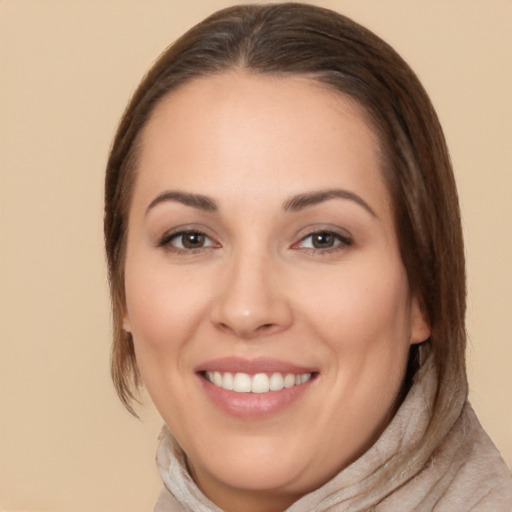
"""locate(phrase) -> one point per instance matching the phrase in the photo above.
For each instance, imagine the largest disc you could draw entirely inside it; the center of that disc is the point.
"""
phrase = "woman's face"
(262, 255)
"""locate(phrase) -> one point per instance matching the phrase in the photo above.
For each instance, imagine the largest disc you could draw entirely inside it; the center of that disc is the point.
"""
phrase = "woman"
(287, 274)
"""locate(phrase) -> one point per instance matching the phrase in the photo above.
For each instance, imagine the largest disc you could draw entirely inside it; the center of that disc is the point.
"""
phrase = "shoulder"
(466, 473)
(482, 481)
(167, 503)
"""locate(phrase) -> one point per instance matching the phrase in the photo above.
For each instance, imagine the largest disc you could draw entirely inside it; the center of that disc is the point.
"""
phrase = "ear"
(127, 326)
(420, 326)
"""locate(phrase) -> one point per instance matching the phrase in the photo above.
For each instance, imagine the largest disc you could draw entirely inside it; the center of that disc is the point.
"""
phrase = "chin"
(256, 468)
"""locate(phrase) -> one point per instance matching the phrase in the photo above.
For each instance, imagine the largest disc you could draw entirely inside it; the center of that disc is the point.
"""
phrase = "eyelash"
(340, 242)
(168, 238)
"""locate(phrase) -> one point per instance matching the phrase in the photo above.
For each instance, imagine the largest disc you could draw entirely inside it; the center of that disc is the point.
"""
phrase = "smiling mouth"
(258, 383)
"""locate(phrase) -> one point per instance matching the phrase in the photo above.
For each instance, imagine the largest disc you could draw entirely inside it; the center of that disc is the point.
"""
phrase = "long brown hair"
(299, 39)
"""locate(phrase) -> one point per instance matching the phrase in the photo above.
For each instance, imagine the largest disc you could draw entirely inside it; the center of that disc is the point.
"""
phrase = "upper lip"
(252, 366)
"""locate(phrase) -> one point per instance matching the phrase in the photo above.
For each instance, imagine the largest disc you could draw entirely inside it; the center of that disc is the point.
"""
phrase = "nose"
(252, 299)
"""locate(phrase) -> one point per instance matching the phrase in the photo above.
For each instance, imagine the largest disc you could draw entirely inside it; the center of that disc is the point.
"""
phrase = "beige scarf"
(465, 473)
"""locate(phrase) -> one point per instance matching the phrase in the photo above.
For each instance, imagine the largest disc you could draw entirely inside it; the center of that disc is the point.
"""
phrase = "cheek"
(364, 322)
(160, 311)
(362, 307)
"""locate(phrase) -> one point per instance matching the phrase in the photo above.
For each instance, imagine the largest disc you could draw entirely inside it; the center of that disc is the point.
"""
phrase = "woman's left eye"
(323, 241)
(187, 241)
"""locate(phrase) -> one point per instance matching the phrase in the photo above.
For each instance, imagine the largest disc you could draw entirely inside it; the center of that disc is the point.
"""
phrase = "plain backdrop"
(67, 69)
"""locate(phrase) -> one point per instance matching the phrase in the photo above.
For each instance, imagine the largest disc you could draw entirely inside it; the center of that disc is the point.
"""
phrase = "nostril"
(224, 327)
(265, 327)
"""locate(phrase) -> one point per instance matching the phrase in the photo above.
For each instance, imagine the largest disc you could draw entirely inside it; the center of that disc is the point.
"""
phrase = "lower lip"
(254, 405)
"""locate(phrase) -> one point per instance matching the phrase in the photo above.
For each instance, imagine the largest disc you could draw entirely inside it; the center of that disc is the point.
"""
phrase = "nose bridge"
(250, 302)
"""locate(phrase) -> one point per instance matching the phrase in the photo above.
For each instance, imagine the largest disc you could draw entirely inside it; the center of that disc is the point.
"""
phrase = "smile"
(252, 389)
(258, 383)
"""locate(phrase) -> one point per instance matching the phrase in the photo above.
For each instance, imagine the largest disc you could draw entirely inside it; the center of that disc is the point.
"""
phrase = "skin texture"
(258, 286)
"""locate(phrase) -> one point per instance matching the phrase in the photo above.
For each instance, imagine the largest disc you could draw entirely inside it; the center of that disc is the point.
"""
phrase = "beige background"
(67, 69)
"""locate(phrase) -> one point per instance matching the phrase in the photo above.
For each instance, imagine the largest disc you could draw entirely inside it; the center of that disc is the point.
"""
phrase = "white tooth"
(242, 383)
(276, 382)
(217, 378)
(227, 381)
(305, 377)
(289, 380)
(260, 383)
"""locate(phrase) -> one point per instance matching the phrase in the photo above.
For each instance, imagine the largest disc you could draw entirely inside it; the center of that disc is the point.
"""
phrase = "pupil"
(193, 240)
(323, 240)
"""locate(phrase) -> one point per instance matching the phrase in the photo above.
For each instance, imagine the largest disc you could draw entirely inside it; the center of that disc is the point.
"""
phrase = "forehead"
(249, 129)
(267, 98)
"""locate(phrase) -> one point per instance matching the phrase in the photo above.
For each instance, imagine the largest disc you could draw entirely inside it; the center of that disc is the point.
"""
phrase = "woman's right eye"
(188, 240)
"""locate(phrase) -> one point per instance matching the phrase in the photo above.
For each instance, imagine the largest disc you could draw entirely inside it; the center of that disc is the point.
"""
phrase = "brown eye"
(323, 240)
(192, 240)
(187, 241)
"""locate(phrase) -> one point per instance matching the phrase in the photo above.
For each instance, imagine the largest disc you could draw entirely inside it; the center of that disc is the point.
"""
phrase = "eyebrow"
(308, 199)
(294, 204)
(194, 200)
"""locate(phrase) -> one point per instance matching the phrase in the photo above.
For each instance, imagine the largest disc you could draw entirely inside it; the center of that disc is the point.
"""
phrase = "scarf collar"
(454, 471)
